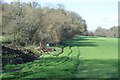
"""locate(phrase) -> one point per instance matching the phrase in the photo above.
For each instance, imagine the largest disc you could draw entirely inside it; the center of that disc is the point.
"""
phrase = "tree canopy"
(29, 23)
(111, 32)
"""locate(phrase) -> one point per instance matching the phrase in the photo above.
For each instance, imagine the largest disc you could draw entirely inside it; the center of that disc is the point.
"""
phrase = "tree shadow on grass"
(81, 41)
(85, 38)
(79, 44)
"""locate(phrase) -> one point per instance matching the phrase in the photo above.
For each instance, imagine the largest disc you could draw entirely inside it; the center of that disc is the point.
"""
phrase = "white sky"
(102, 13)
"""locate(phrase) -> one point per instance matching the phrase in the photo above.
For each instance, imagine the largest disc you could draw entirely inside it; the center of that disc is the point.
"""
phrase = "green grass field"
(82, 57)
(99, 57)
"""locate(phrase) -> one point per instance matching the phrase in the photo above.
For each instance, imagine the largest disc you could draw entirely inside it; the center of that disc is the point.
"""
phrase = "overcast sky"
(102, 13)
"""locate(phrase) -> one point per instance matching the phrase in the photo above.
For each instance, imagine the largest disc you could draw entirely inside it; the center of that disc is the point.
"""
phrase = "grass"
(47, 66)
(82, 57)
(98, 69)
(106, 48)
(98, 60)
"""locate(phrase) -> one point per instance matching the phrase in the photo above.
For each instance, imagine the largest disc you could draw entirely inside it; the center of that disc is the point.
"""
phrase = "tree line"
(103, 32)
(29, 23)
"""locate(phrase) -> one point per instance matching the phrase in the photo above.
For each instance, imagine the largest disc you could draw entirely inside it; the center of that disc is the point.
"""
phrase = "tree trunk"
(42, 47)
